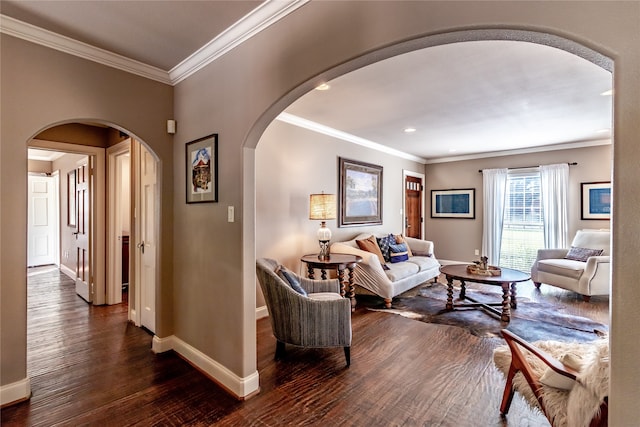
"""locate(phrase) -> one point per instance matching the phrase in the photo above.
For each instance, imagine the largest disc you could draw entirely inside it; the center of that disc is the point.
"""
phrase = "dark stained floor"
(89, 366)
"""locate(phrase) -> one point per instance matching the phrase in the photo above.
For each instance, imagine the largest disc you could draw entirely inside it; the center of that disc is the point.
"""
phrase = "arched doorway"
(249, 177)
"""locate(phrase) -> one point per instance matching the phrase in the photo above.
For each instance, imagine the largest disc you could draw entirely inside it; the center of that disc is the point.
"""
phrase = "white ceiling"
(464, 99)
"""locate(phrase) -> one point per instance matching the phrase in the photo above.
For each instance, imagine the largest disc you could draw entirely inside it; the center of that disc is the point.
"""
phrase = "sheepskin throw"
(575, 407)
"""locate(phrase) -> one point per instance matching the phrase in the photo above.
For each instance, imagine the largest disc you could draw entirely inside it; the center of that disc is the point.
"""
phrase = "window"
(523, 227)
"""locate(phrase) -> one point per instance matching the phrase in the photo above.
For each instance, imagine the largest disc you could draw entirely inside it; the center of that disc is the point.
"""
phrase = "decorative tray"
(489, 271)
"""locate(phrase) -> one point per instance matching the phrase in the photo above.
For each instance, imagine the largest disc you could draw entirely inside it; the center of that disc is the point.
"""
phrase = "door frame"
(405, 174)
(114, 248)
(98, 199)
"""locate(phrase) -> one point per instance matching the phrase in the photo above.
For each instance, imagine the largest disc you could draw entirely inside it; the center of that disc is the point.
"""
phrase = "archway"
(249, 189)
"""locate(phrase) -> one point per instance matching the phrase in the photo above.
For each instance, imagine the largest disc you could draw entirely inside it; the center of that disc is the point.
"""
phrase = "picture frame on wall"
(595, 200)
(360, 193)
(201, 171)
(455, 203)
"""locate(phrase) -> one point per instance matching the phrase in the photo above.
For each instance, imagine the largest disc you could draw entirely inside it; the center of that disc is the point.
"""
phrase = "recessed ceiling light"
(607, 92)
(323, 86)
(452, 150)
(409, 130)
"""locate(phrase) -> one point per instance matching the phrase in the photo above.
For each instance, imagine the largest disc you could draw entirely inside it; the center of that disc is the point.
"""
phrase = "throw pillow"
(370, 244)
(290, 279)
(553, 379)
(581, 254)
(383, 244)
(400, 239)
(399, 252)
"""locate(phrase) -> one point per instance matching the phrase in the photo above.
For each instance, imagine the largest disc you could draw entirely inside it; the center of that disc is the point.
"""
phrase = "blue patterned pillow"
(399, 252)
(290, 279)
(384, 243)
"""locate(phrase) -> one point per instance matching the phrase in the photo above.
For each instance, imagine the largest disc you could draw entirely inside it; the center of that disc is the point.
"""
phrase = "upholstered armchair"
(313, 316)
(567, 381)
(578, 269)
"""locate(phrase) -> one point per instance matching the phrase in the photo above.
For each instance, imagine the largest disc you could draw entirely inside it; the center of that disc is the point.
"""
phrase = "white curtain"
(554, 187)
(494, 185)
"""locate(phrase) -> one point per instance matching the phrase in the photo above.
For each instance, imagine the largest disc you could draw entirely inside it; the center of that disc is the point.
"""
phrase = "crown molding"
(326, 130)
(31, 33)
(251, 24)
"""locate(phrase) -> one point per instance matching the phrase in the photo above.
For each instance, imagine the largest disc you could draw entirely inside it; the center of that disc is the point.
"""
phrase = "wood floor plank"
(90, 366)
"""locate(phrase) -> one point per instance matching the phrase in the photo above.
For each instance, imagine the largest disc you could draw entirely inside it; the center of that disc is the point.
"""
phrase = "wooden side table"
(340, 263)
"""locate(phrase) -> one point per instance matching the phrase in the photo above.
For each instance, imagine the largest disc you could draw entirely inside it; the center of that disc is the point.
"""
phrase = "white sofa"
(586, 278)
(400, 277)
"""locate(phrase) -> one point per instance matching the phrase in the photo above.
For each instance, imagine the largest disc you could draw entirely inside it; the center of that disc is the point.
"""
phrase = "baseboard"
(262, 312)
(241, 388)
(15, 392)
(69, 272)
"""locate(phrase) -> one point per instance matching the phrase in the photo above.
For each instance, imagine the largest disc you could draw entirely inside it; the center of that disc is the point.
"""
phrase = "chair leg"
(347, 355)
(586, 298)
(537, 284)
(387, 303)
(507, 396)
(279, 350)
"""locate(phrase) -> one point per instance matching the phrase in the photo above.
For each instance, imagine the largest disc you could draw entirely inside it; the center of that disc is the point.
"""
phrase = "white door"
(83, 226)
(42, 222)
(147, 242)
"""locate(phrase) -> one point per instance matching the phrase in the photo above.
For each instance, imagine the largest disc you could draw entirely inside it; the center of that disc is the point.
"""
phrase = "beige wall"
(237, 96)
(42, 87)
(292, 163)
(456, 239)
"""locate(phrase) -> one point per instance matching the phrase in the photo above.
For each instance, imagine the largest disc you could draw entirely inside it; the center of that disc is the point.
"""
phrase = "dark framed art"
(453, 203)
(202, 169)
(360, 193)
(595, 200)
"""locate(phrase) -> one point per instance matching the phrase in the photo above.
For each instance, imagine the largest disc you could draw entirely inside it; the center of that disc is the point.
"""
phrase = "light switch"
(230, 214)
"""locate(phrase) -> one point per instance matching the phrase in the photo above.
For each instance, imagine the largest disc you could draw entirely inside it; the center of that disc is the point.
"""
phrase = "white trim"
(566, 146)
(15, 392)
(326, 130)
(240, 387)
(69, 272)
(251, 24)
(37, 35)
(262, 312)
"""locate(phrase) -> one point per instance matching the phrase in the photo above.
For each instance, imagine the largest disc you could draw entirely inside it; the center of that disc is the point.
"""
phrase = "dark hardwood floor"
(89, 366)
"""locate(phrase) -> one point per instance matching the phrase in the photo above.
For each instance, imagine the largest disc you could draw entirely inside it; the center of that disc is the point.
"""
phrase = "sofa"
(389, 279)
(584, 268)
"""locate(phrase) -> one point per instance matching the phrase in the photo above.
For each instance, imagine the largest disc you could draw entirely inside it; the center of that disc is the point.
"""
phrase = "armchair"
(587, 277)
(322, 318)
(576, 397)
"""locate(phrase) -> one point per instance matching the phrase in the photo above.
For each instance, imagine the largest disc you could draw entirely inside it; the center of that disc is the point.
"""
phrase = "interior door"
(147, 238)
(42, 222)
(82, 232)
(413, 206)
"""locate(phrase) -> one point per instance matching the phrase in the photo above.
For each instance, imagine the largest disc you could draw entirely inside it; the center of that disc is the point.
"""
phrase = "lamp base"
(324, 250)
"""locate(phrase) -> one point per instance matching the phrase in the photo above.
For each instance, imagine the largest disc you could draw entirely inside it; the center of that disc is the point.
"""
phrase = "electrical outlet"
(477, 251)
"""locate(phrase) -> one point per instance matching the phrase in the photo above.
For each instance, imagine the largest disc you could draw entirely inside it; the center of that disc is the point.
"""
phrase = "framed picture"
(453, 203)
(202, 169)
(596, 200)
(71, 198)
(360, 193)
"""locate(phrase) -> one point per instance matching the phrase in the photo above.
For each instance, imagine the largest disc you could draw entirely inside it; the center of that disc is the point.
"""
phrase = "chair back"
(593, 239)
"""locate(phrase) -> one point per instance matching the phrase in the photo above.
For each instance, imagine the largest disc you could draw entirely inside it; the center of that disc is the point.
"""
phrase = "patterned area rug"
(531, 320)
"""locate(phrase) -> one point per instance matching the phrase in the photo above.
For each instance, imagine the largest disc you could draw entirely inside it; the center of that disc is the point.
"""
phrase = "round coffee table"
(506, 280)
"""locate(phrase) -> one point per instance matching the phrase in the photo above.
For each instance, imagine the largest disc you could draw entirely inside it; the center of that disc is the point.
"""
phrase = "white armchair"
(590, 276)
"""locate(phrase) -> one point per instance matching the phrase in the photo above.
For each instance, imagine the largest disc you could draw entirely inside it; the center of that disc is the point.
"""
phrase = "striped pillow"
(398, 253)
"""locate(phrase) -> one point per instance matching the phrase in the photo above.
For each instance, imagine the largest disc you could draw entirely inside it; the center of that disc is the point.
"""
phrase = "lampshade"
(322, 206)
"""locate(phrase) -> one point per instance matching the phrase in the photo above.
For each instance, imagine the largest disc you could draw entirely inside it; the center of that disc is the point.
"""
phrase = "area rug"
(531, 320)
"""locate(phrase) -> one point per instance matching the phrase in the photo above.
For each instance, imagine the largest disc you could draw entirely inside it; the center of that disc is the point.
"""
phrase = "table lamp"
(323, 207)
